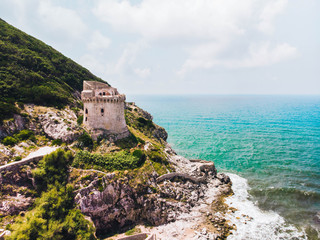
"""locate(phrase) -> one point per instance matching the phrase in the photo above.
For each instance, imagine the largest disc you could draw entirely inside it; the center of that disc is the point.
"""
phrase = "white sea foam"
(251, 222)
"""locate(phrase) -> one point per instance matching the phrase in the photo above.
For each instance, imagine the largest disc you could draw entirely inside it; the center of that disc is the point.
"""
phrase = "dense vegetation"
(16, 138)
(109, 162)
(54, 215)
(33, 72)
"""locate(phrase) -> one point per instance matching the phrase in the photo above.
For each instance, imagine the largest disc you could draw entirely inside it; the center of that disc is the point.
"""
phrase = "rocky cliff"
(166, 188)
(117, 184)
(114, 204)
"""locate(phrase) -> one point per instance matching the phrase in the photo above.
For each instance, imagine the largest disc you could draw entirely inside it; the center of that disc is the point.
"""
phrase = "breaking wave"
(253, 223)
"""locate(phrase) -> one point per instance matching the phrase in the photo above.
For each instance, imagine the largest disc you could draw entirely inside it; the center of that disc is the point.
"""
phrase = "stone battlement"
(115, 98)
(103, 110)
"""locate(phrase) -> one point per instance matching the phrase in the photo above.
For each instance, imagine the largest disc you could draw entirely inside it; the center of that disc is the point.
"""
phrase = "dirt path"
(34, 156)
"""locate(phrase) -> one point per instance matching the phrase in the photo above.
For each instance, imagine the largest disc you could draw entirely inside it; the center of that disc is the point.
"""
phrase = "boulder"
(60, 125)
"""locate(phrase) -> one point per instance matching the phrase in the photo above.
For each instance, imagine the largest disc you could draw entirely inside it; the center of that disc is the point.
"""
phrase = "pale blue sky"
(183, 46)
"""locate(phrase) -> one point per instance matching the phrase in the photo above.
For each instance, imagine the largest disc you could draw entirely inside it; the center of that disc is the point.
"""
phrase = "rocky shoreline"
(180, 208)
(180, 198)
(206, 219)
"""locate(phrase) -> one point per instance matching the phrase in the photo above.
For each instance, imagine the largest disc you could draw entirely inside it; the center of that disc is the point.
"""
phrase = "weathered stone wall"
(103, 110)
(105, 113)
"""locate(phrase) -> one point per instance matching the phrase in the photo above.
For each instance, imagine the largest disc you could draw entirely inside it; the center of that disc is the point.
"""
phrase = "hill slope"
(33, 72)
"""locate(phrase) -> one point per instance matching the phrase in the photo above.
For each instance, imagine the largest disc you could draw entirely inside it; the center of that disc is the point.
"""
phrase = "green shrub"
(85, 141)
(6, 109)
(133, 231)
(54, 217)
(86, 177)
(75, 110)
(129, 142)
(141, 140)
(156, 155)
(21, 136)
(52, 169)
(9, 141)
(24, 135)
(80, 120)
(140, 155)
(56, 142)
(142, 120)
(17, 158)
(114, 161)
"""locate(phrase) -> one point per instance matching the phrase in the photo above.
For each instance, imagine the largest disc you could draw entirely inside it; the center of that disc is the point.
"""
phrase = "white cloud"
(60, 19)
(93, 64)
(127, 58)
(207, 30)
(268, 14)
(258, 55)
(98, 42)
(154, 19)
(142, 72)
(263, 54)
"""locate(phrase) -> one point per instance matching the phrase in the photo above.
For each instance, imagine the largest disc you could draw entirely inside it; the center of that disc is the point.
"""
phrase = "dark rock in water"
(208, 168)
(223, 178)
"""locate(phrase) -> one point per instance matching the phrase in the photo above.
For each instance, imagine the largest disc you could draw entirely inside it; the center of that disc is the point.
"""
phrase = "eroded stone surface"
(60, 125)
(114, 203)
(103, 110)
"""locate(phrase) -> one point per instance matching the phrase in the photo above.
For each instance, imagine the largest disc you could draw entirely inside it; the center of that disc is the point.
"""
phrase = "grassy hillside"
(33, 72)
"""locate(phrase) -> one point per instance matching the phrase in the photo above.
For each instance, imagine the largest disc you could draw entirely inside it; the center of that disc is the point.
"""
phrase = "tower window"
(104, 93)
(102, 111)
(86, 110)
(86, 119)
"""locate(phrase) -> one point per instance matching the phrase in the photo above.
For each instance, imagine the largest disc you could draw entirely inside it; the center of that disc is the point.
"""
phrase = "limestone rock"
(160, 133)
(12, 126)
(114, 204)
(60, 125)
(4, 233)
(145, 114)
(223, 178)
(14, 205)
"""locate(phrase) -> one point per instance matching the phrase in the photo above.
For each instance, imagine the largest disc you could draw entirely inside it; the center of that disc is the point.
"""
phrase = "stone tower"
(103, 110)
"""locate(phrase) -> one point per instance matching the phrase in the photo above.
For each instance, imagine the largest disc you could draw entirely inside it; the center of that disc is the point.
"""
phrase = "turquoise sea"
(272, 141)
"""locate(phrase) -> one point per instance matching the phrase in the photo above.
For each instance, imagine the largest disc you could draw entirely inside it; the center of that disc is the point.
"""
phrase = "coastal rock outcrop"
(119, 204)
(114, 203)
(160, 133)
